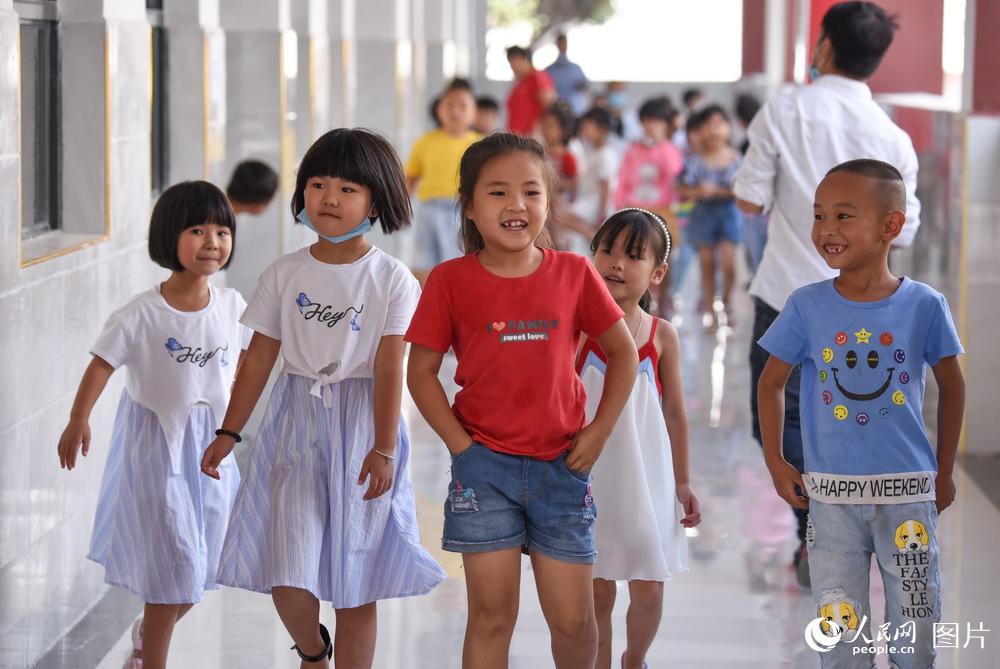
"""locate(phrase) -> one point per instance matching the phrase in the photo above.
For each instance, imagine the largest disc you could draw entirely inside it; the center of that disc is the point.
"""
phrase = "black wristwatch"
(229, 433)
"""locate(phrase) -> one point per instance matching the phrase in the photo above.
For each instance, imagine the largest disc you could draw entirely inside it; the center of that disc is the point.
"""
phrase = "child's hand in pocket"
(587, 447)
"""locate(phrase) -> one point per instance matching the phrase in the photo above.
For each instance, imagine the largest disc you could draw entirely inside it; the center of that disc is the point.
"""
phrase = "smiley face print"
(865, 395)
(863, 366)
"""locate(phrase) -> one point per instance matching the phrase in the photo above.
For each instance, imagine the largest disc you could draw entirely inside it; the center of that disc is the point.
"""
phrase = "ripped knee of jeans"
(840, 614)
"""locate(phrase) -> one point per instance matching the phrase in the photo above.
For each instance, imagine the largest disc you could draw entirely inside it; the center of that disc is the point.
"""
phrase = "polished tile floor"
(738, 608)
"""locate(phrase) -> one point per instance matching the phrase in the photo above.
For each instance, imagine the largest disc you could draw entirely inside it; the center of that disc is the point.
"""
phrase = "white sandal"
(134, 662)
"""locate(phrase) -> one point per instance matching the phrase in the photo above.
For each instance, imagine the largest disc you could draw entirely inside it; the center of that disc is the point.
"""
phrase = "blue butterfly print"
(354, 324)
(303, 301)
(173, 345)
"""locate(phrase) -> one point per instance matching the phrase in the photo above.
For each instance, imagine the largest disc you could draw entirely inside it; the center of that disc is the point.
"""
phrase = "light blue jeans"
(841, 540)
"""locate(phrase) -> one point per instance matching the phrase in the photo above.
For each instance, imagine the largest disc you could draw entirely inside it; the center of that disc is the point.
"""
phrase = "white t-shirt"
(330, 319)
(597, 164)
(176, 359)
(794, 140)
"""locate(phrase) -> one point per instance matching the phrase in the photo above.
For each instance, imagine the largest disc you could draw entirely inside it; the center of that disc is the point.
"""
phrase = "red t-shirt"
(523, 108)
(515, 340)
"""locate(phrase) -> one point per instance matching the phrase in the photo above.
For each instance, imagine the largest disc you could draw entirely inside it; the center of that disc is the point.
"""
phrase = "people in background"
(595, 185)
(557, 129)
(570, 81)
(747, 106)
(432, 173)
(532, 93)
(715, 224)
(487, 115)
(252, 187)
(648, 177)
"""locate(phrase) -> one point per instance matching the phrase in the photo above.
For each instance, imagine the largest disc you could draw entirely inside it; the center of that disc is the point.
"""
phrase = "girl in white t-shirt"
(160, 524)
(326, 511)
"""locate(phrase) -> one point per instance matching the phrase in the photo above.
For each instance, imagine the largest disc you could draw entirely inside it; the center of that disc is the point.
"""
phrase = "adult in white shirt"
(794, 140)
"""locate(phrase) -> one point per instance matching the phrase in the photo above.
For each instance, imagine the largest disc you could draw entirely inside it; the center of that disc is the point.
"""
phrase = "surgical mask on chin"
(362, 228)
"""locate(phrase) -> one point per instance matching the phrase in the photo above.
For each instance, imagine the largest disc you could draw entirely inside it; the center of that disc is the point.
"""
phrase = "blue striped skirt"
(300, 520)
(159, 526)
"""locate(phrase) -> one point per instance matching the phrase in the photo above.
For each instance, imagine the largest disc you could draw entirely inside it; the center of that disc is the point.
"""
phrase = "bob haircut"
(362, 157)
(182, 206)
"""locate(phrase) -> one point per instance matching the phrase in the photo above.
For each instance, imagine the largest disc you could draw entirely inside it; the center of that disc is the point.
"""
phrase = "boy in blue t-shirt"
(872, 481)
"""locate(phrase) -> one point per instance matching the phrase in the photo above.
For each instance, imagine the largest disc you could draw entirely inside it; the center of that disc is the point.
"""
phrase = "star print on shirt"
(863, 336)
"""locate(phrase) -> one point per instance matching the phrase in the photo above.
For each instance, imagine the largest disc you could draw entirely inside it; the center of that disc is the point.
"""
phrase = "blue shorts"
(497, 501)
(438, 231)
(712, 221)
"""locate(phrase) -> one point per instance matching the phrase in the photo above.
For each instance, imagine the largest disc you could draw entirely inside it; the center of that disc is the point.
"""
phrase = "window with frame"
(159, 119)
(40, 184)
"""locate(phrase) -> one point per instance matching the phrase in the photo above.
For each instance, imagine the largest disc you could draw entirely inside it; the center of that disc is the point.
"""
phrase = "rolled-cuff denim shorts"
(498, 501)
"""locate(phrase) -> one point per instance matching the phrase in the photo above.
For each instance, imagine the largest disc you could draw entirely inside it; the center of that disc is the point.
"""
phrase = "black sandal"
(325, 654)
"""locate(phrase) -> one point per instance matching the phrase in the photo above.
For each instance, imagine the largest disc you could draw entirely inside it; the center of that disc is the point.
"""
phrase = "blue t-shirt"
(862, 392)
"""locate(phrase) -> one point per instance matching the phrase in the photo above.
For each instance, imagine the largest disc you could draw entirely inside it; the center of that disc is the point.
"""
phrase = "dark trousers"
(791, 445)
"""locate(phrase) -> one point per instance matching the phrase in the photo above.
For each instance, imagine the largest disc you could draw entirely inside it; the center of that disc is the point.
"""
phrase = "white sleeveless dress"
(639, 535)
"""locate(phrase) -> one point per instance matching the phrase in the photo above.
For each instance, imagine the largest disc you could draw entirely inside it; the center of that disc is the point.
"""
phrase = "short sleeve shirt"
(176, 359)
(862, 392)
(523, 108)
(330, 318)
(515, 339)
(434, 160)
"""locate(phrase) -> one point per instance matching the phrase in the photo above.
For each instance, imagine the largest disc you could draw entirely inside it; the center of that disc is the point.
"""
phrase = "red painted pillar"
(986, 58)
(913, 63)
(754, 28)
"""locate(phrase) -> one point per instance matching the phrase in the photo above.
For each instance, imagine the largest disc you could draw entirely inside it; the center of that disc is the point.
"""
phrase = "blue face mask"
(617, 100)
(364, 227)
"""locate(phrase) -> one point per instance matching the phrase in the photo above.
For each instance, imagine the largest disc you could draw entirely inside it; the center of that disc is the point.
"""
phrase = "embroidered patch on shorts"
(810, 532)
(462, 500)
(588, 499)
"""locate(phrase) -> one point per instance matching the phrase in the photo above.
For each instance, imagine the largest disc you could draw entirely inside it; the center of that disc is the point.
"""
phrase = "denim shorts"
(842, 539)
(713, 221)
(497, 501)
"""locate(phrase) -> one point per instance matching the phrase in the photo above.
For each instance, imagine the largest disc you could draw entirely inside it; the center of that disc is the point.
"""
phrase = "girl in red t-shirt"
(521, 452)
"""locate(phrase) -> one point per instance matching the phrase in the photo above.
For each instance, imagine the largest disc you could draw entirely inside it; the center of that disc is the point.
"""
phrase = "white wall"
(53, 310)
